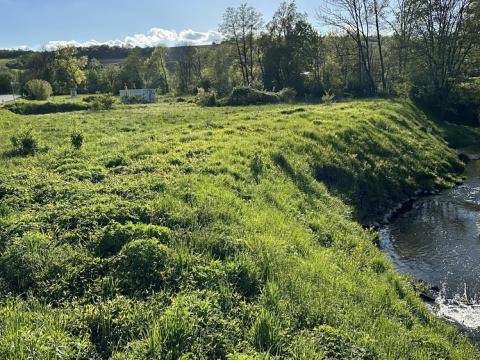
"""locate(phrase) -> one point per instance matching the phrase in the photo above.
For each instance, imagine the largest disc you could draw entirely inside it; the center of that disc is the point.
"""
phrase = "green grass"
(215, 232)
(3, 63)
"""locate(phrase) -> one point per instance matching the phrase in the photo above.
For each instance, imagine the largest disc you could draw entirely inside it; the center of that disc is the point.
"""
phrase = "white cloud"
(154, 37)
(22, 47)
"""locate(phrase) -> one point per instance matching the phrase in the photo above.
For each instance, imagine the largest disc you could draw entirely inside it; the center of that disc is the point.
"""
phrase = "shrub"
(90, 99)
(24, 144)
(141, 266)
(117, 235)
(328, 97)
(76, 139)
(44, 108)
(24, 260)
(38, 89)
(103, 102)
(206, 98)
(287, 95)
(244, 95)
(133, 99)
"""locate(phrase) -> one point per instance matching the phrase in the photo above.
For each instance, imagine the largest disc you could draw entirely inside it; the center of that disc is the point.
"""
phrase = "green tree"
(187, 69)
(156, 73)
(68, 69)
(95, 82)
(239, 26)
(132, 72)
(111, 76)
(6, 77)
(291, 49)
(447, 31)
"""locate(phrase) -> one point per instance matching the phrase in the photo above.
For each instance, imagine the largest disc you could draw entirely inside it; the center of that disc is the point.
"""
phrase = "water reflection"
(439, 239)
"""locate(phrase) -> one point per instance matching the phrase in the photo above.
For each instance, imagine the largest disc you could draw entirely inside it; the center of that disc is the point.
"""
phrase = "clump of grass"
(257, 166)
(266, 333)
(25, 144)
(76, 139)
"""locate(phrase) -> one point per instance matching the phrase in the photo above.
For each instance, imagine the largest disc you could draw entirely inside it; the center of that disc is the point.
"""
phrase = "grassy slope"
(263, 253)
(3, 63)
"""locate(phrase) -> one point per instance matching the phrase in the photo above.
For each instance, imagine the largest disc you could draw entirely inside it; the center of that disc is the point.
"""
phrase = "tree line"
(426, 49)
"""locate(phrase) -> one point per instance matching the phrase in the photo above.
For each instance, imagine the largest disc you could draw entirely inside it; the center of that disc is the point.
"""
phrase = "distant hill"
(107, 55)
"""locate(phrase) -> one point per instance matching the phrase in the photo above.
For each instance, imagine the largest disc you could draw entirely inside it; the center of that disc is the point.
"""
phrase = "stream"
(438, 241)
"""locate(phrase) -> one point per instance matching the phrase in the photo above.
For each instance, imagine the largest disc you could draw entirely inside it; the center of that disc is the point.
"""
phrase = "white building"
(149, 95)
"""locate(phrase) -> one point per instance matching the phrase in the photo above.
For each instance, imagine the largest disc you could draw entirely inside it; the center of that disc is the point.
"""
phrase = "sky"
(51, 23)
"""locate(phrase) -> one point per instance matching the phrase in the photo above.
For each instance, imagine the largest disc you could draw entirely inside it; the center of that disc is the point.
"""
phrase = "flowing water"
(438, 241)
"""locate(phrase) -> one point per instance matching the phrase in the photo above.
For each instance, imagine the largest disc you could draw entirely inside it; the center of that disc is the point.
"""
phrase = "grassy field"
(3, 63)
(225, 232)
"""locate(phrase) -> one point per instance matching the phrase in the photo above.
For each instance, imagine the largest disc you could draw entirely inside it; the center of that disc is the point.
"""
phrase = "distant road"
(6, 98)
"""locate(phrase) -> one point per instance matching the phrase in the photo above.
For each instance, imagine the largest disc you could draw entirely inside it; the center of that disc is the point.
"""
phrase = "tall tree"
(290, 48)
(378, 11)
(132, 73)
(69, 69)
(156, 69)
(111, 75)
(40, 65)
(187, 69)
(403, 12)
(447, 31)
(240, 26)
(354, 18)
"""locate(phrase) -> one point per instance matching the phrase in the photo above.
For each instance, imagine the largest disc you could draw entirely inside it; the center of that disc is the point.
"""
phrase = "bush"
(206, 98)
(90, 99)
(141, 266)
(328, 97)
(244, 95)
(103, 102)
(24, 108)
(133, 99)
(76, 139)
(38, 89)
(24, 261)
(287, 95)
(25, 144)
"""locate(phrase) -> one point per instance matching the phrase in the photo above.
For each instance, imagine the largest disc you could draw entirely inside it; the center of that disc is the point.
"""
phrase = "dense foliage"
(427, 51)
(173, 230)
(38, 89)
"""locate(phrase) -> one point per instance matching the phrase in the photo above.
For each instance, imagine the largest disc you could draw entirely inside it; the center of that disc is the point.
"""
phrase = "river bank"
(234, 225)
(436, 238)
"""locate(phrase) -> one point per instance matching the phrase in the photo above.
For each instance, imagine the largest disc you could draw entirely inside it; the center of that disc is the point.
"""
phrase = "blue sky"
(36, 23)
